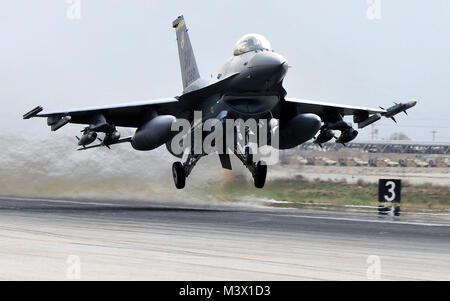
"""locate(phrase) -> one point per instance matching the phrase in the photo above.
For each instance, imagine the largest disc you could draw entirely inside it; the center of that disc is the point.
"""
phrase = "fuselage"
(251, 88)
(255, 74)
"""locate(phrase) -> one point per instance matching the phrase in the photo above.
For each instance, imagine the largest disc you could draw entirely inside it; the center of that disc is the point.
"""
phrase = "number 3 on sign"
(391, 191)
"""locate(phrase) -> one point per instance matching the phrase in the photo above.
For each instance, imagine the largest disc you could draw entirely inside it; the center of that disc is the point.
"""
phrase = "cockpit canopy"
(251, 42)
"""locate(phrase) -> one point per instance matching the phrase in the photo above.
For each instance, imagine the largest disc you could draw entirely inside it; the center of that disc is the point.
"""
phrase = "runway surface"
(135, 240)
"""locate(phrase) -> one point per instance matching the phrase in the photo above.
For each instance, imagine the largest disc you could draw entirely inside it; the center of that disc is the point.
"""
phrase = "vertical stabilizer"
(189, 69)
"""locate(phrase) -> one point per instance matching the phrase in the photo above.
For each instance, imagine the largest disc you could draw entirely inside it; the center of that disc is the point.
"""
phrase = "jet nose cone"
(268, 66)
(267, 59)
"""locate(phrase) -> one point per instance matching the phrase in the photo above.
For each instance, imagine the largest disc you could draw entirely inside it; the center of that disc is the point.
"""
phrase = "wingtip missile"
(398, 108)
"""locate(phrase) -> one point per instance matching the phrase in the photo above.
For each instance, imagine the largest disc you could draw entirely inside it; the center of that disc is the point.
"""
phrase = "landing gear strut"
(258, 170)
(180, 171)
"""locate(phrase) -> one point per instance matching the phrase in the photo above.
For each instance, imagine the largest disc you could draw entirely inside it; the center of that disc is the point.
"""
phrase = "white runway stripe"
(365, 220)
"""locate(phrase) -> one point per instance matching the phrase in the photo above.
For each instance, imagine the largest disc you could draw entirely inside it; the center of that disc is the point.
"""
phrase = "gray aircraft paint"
(189, 69)
(252, 79)
(248, 85)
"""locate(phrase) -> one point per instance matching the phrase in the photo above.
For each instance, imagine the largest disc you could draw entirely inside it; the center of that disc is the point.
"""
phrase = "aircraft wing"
(123, 115)
(361, 115)
(319, 107)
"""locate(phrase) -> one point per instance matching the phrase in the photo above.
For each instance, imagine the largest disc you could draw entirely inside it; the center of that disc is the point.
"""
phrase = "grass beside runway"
(300, 192)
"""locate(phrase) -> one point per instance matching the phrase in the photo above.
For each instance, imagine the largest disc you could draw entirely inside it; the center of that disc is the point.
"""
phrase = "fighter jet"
(248, 85)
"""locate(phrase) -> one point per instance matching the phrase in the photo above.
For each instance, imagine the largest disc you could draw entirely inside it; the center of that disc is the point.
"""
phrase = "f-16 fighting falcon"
(249, 85)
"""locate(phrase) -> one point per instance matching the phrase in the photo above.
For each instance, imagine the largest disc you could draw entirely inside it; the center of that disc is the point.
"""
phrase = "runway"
(136, 240)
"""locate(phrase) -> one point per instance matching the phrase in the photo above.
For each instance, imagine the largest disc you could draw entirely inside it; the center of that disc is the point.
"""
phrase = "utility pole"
(374, 132)
(434, 135)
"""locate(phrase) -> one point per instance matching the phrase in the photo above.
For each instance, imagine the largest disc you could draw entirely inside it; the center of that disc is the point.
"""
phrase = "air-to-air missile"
(390, 113)
(398, 108)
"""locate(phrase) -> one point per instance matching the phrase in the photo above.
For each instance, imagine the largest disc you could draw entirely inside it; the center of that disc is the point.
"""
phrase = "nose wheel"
(179, 175)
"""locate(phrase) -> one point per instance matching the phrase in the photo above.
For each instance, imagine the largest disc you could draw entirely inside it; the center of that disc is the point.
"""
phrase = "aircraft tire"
(260, 174)
(179, 177)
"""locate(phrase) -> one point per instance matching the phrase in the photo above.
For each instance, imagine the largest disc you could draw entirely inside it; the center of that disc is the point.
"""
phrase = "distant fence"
(400, 147)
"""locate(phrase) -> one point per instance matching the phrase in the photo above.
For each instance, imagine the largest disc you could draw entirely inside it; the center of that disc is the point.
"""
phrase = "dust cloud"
(53, 168)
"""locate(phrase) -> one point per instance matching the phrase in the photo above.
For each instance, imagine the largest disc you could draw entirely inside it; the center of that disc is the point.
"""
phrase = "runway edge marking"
(362, 220)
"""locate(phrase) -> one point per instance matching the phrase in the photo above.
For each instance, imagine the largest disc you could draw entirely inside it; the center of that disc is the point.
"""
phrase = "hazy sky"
(124, 51)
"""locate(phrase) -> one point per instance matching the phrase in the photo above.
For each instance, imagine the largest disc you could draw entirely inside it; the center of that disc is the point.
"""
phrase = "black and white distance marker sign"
(389, 196)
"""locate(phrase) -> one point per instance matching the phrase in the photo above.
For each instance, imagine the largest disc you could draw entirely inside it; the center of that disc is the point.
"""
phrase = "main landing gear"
(258, 170)
(181, 171)
(259, 175)
(179, 176)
